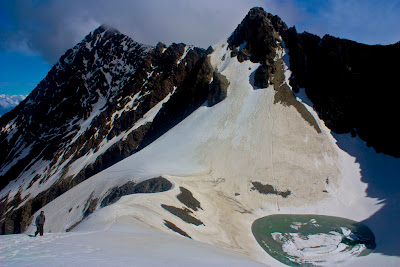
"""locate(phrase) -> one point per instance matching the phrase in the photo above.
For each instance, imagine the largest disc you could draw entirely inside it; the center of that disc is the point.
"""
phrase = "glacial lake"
(312, 240)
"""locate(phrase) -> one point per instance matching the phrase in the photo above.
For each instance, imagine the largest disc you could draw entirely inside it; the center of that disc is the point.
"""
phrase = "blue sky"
(20, 72)
(35, 33)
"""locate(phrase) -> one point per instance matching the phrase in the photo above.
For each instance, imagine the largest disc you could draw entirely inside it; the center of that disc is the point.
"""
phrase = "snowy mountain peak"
(105, 98)
(256, 36)
(106, 27)
(103, 32)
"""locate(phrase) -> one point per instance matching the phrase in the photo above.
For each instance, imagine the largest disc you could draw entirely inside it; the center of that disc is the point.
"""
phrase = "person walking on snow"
(40, 219)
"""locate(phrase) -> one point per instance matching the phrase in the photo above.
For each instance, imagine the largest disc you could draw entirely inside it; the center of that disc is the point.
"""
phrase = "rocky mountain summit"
(96, 106)
(349, 83)
(109, 97)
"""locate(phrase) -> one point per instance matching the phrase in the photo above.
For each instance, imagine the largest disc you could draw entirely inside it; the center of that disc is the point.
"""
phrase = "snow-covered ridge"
(116, 69)
(123, 245)
(95, 107)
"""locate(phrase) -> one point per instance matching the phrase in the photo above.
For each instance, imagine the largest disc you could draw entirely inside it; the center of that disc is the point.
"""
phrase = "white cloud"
(51, 27)
(10, 101)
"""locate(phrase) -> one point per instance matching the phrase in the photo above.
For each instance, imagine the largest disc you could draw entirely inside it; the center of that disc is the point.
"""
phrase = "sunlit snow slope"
(123, 245)
(224, 156)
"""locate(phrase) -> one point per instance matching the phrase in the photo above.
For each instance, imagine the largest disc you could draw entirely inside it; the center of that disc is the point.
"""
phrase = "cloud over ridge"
(51, 27)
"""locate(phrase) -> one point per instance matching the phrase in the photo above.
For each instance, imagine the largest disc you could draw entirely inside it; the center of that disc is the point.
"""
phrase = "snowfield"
(122, 245)
(217, 153)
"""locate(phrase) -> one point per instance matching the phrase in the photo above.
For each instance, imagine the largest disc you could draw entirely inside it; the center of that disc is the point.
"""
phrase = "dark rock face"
(256, 39)
(351, 85)
(186, 197)
(259, 30)
(262, 76)
(118, 192)
(183, 213)
(175, 228)
(154, 185)
(267, 189)
(218, 89)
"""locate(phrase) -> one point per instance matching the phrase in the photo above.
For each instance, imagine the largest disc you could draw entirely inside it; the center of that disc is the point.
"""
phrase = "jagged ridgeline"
(105, 98)
(109, 97)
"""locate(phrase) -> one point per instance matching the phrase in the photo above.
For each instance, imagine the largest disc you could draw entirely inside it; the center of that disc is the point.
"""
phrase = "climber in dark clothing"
(40, 219)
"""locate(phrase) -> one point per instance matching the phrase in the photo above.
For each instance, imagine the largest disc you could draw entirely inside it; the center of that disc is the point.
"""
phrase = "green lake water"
(310, 240)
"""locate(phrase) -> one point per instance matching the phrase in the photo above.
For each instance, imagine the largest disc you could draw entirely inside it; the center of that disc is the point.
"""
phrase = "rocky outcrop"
(176, 229)
(349, 83)
(267, 189)
(183, 213)
(192, 204)
(117, 192)
(258, 33)
(218, 89)
(186, 197)
(258, 38)
(153, 185)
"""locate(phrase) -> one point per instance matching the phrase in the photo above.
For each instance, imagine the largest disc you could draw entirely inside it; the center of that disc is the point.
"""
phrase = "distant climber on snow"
(40, 219)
